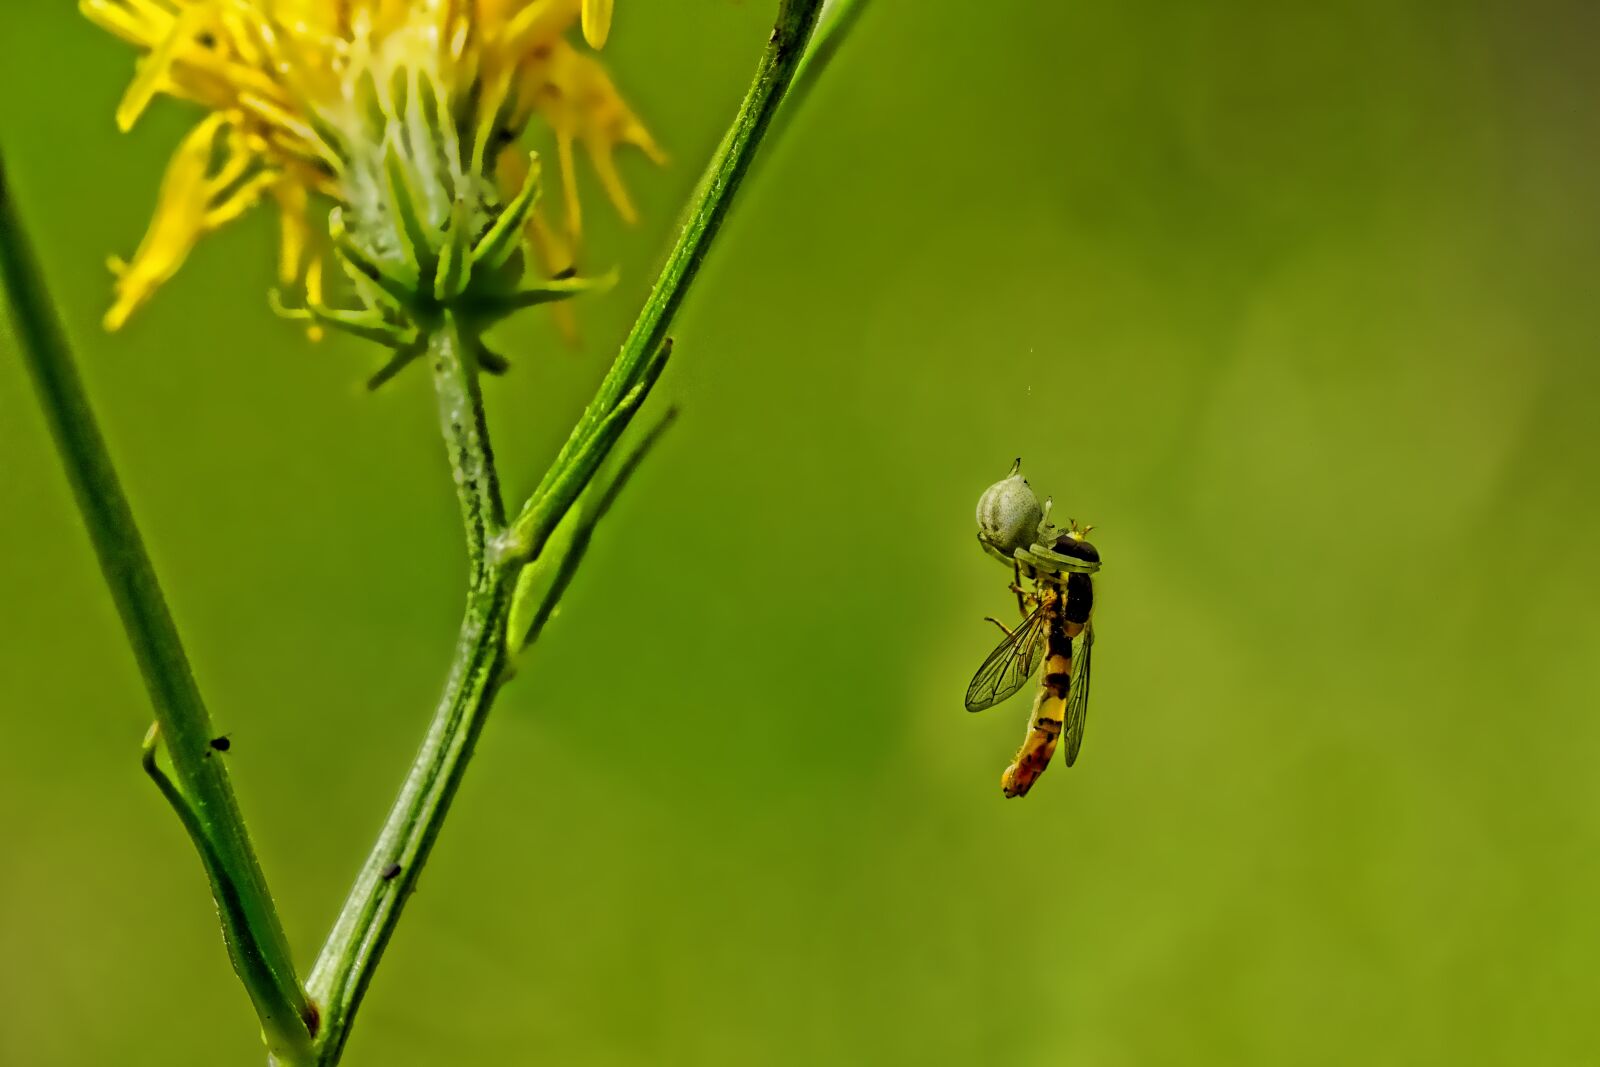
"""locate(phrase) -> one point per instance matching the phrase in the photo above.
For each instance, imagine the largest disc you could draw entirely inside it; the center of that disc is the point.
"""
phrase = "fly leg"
(1003, 627)
(1016, 587)
(1025, 601)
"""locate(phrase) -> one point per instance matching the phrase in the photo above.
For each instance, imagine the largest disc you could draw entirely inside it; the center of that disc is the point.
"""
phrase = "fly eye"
(1008, 513)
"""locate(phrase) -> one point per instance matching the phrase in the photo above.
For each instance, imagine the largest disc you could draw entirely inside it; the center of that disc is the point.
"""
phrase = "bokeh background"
(1295, 303)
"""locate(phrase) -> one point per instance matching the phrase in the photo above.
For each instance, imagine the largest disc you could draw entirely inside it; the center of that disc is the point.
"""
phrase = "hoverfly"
(1056, 627)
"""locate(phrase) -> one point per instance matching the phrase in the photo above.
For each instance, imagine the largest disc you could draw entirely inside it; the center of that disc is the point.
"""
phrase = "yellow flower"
(402, 116)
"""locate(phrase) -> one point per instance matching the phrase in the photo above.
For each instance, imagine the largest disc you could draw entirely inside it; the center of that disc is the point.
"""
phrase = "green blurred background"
(1294, 302)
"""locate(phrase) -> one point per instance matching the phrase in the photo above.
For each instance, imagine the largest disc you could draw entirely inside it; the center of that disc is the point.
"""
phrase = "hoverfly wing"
(1078, 697)
(1009, 667)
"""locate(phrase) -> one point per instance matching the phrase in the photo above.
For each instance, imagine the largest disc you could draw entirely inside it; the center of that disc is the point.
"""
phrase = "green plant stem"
(835, 27)
(372, 910)
(451, 357)
(390, 873)
(366, 922)
(707, 210)
(588, 515)
(251, 928)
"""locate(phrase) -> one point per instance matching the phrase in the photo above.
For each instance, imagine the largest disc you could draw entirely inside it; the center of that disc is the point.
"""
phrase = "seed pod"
(1009, 513)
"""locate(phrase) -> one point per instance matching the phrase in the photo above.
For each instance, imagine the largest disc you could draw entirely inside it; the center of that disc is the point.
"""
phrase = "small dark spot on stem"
(390, 872)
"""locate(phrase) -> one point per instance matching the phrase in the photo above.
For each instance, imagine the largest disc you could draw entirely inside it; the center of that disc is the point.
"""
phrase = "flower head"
(401, 118)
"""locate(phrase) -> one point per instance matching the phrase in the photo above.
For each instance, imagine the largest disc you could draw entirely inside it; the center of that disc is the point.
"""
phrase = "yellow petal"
(136, 27)
(295, 229)
(197, 196)
(605, 167)
(569, 182)
(596, 22)
(179, 222)
(155, 70)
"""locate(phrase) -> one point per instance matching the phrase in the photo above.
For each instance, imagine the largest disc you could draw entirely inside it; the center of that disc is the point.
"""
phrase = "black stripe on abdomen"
(1080, 599)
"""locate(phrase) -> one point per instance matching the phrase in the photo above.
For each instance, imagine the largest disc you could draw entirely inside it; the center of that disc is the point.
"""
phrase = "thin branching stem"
(707, 210)
(588, 515)
(453, 359)
(373, 907)
(838, 21)
(354, 948)
(250, 922)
